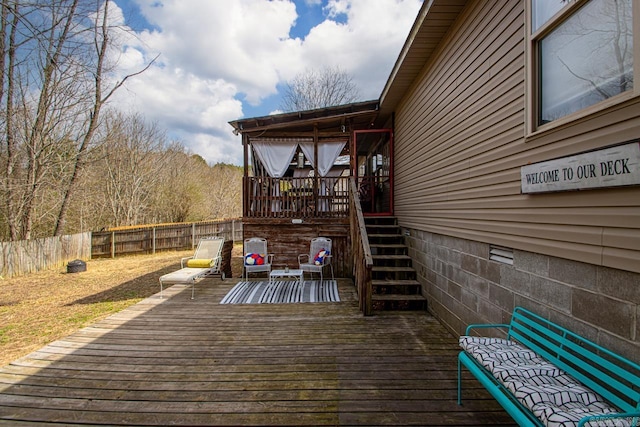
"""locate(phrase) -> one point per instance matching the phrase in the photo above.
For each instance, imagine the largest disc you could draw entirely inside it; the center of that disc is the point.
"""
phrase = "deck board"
(177, 361)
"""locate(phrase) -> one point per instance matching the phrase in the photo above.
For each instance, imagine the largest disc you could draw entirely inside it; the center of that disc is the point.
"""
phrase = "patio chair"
(256, 258)
(318, 258)
(206, 261)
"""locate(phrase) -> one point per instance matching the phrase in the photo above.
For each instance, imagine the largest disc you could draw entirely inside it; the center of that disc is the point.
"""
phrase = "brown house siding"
(460, 141)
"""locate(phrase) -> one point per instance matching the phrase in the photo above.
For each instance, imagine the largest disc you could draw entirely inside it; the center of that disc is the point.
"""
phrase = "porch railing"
(313, 197)
(361, 252)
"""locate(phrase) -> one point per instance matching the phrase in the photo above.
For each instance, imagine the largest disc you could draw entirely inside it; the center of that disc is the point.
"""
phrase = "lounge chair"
(256, 258)
(318, 258)
(206, 261)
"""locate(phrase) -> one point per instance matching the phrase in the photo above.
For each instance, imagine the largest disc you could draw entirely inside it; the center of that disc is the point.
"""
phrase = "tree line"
(68, 162)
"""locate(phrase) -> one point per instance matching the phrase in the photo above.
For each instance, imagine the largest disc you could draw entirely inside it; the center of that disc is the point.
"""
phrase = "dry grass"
(39, 308)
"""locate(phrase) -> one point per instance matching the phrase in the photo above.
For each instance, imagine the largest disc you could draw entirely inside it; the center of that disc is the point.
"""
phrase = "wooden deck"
(177, 361)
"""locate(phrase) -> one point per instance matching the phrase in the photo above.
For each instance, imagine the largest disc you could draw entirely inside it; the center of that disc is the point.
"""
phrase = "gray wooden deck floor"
(177, 361)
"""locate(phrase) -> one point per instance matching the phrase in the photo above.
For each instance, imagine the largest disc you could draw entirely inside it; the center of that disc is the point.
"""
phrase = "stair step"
(389, 269)
(375, 247)
(398, 257)
(394, 286)
(383, 229)
(380, 220)
(397, 297)
(409, 282)
(391, 260)
(382, 249)
(393, 302)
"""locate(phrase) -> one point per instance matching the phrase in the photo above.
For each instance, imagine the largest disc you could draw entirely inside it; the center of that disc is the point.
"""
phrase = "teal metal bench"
(613, 377)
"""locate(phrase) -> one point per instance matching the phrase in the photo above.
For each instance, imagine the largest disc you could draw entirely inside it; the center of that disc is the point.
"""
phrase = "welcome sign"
(611, 167)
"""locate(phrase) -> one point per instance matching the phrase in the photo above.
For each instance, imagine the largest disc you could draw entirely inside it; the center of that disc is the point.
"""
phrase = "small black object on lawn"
(76, 266)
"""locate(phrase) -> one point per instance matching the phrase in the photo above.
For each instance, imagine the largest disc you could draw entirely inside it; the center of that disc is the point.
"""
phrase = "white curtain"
(328, 152)
(275, 154)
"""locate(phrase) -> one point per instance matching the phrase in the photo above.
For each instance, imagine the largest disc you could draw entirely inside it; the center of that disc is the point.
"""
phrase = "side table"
(295, 273)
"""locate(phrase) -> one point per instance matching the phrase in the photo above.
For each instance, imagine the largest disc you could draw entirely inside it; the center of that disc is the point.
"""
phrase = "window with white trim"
(582, 54)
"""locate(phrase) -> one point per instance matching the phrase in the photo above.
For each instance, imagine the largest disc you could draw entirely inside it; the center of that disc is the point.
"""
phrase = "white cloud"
(217, 55)
(239, 41)
(368, 43)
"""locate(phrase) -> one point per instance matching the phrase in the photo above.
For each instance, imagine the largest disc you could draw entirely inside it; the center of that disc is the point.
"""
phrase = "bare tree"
(36, 115)
(130, 168)
(313, 89)
(67, 163)
(53, 62)
(178, 188)
(8, 29)
(191, 190)
(226, 195)
(101, 95)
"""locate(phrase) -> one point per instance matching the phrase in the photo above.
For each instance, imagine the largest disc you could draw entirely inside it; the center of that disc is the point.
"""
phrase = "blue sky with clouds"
(222, 60)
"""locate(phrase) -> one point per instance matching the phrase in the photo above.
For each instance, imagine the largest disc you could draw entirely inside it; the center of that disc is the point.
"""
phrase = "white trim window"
(582, 55)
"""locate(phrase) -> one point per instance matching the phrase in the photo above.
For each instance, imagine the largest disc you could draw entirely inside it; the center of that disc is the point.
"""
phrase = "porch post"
(245, 146)
(316, 174)
(245, 184)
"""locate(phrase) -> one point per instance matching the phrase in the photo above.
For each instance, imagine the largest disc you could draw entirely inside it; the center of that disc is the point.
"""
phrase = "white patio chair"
(318, 258)
(256, 259)
(206, 261)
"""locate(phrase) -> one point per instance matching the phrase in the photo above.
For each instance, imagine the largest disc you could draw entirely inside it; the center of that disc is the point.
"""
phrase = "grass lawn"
(42, 307)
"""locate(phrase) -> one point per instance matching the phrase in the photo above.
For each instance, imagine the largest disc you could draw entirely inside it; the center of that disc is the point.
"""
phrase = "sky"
(224, 60)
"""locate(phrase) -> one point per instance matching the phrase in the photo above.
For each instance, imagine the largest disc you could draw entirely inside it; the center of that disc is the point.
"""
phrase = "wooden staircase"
(393, 278)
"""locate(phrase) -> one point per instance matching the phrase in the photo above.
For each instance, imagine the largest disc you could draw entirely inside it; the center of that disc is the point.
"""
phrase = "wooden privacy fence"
(153, 238)
(28, 256)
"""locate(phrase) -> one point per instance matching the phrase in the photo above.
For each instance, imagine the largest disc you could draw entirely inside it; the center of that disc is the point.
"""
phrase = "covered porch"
(298, 170)
(177, 361)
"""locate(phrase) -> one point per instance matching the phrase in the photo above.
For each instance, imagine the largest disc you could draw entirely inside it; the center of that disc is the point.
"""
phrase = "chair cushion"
(200, 263)
(494, 352)
(560, 405)
(319, 258)
(254, 259)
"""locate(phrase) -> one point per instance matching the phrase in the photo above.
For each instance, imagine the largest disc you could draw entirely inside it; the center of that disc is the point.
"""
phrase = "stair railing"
(362, 259)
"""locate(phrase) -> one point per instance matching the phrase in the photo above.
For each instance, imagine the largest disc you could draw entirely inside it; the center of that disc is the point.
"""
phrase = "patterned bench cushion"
(549, 393)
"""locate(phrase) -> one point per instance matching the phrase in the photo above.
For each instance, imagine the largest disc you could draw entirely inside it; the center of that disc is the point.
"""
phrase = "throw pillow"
(200, 263)
(320, 257)
(254, 259)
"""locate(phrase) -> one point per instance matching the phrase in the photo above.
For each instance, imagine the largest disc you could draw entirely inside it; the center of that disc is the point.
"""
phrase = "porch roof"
(359, 115)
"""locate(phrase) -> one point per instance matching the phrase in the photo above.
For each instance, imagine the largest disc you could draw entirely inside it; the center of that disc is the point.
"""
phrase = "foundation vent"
(499, 254)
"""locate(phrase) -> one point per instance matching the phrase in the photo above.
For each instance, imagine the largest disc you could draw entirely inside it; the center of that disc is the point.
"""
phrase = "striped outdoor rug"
(282, 291)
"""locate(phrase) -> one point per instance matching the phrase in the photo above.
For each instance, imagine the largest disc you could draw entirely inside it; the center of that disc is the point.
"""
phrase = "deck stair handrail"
(362, 259)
